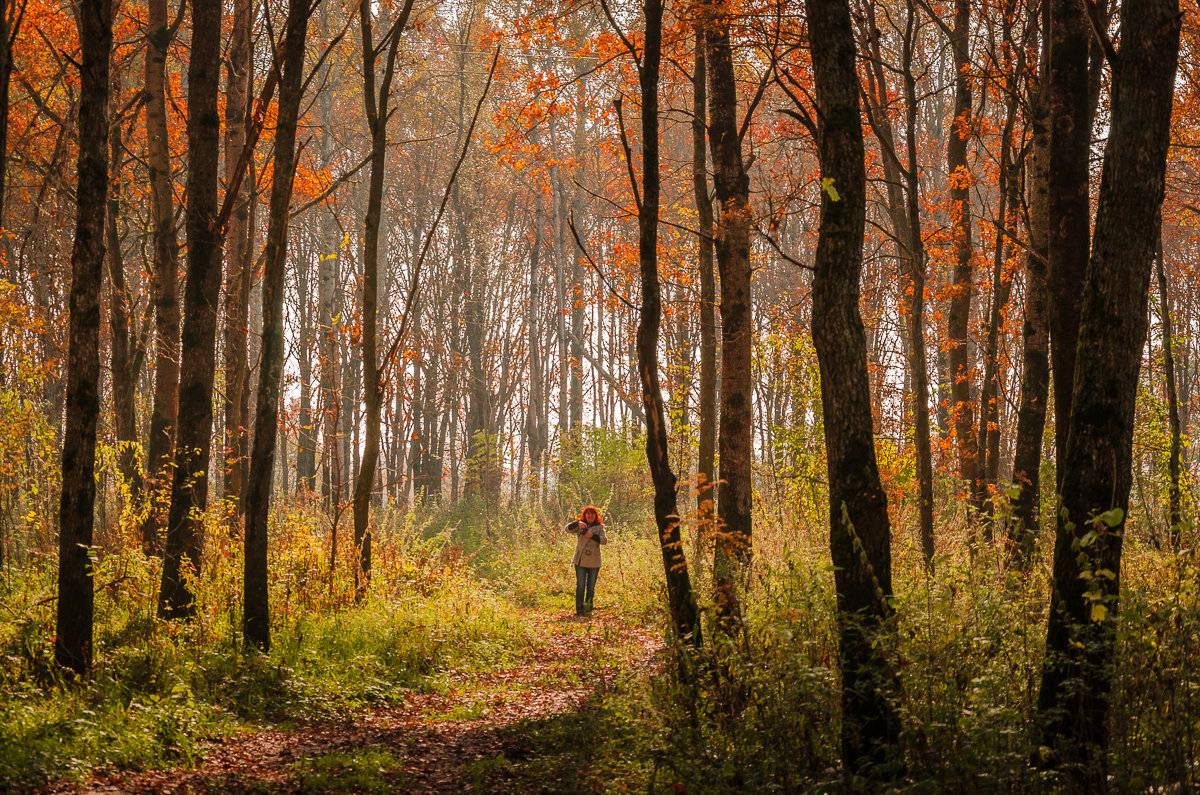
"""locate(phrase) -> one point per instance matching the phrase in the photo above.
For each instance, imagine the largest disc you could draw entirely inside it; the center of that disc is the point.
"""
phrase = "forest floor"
(469, 735)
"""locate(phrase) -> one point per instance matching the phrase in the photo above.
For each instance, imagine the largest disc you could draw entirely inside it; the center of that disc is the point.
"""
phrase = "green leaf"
(1112, 517)
(827, 186)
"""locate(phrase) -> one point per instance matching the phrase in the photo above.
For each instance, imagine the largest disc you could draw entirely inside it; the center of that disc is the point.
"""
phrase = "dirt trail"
(435, 736)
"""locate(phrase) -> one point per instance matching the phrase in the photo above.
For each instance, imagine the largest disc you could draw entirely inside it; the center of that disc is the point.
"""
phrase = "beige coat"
(587, 550)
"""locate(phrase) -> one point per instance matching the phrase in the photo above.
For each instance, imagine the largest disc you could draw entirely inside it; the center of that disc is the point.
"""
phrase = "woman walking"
(590, 531)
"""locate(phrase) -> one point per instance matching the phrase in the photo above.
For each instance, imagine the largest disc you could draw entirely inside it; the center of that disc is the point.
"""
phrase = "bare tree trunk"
(735, 440)
(1175, 509)
(959, 319)
(377, 114)
(160, 451)
(1070, 149)
(681, 602)
(289, 60)
(860, 535)
(706, 481)
(918, 365)
(189, 489)
(73, 622)
(240, 270)
(1081, 652)
(988, 445)
(1035, 378)
(126, 351)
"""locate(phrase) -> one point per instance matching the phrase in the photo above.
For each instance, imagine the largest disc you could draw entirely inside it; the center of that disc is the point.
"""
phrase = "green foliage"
(608, 470)
(159, 689)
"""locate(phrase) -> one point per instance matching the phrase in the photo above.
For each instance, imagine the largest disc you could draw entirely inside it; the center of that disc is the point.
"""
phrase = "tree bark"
(1067, 255)
(73, 624)
(377, 114)
(860, 535)
(707, 404)
(1174, 498)
(735, 441)
(289, 60)
(1081, 650)
(1025, 523)
(681, 601)
(917, 360)
(125, 347)
(189, 488)
(959, 316)
(239, 274)
(160, 451)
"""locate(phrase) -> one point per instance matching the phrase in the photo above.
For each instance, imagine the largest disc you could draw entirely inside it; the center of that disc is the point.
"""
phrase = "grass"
(450, 604)
(367, 770)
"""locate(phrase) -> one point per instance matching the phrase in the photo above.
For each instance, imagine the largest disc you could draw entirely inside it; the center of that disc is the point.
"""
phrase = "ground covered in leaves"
(467, 737)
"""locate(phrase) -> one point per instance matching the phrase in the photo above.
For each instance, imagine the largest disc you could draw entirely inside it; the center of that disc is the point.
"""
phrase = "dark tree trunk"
(73, 625)
(1035, 376)
(681, 601)
(860, 536)
(1094, 498)
(189, 488)
(707, 404)
(959, 318)
(256, 622)
(735, 440)
(240, 272)
(160, 452)
(917, 360)
(1067, 254)
(1174, 499)
(126, 354)
(377, 114)
(988, 444)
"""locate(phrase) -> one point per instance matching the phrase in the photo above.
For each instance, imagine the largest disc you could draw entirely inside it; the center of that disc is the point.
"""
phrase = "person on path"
(590, 531)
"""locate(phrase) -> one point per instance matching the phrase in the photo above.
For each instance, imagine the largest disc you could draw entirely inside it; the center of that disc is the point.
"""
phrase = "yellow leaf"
(827, 186)
(1099, 612)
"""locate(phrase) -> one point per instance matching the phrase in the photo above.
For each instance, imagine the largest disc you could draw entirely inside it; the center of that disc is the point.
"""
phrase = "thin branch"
(1098, 29)
(595, 267)
(621, 33)
(633, 183)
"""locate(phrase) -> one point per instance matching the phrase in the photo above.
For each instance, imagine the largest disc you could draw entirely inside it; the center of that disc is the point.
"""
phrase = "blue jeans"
(585, 589)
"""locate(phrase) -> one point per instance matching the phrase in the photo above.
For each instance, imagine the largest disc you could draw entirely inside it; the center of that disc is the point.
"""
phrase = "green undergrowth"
(365, 770)
(160, 689)
(760, 713)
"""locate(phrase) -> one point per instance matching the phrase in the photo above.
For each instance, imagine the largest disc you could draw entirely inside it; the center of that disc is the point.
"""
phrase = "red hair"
(593, 509)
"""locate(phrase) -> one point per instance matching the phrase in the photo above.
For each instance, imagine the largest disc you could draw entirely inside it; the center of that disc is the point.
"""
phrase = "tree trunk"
(160, 451)
(1175, 509)
(917, 360)
(1094, 498)
(959, 317)
(988, 444)
(73, 624)
(735, 441)
(126, 355)
(1070, 149)
(289, 60)
(707, 404)
(860, 536)
(1035, 376)
(681, 602)
(189, 488)
(377, 114)
(240, 273)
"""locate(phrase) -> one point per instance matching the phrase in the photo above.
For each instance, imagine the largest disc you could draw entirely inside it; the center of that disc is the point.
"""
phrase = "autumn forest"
(869, 330)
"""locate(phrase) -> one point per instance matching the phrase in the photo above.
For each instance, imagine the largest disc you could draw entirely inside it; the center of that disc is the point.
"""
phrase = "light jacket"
(587, 550)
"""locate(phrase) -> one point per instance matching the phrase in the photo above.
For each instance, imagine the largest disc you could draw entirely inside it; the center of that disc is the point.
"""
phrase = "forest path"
(460, 740)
